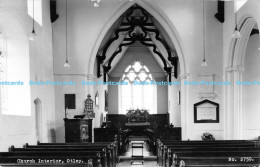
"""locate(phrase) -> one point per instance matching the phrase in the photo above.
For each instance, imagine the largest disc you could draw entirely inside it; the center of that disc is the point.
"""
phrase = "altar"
(137, 128)
(138, 116)
(137, 124)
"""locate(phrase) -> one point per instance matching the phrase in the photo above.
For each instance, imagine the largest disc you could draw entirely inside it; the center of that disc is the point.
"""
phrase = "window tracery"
(137, 96)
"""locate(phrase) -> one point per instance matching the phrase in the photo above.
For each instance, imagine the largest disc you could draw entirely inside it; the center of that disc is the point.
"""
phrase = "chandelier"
(96, 2)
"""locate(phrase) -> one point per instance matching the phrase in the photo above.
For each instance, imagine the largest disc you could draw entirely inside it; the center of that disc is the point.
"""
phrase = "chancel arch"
(173, 39)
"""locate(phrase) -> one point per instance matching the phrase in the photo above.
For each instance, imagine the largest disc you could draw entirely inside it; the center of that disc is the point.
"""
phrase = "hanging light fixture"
(96, 3)
(204, 63)
(33, 35)
(236, 33)
(66, 65)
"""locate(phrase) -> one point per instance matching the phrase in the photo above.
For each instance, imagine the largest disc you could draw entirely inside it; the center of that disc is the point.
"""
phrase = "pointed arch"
(235, 66)
(175, 38)
(38, 118)
(246, 24)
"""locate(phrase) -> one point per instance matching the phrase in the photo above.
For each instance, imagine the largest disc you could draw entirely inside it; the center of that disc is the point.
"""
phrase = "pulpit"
(78, 130)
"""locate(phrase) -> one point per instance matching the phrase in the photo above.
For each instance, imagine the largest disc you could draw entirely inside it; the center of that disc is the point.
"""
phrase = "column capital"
(90, 77)
(184, 76)
(238, 68)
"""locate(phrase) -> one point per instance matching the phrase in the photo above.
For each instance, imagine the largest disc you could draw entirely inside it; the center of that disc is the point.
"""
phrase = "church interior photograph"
(121, 83)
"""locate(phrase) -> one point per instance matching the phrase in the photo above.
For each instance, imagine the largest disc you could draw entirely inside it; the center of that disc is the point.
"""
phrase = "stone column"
(238, 112)
(90, 88)
(185, 121)
(233, 104)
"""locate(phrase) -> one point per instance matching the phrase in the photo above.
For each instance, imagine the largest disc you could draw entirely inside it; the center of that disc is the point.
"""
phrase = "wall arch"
(234, 114)
(245, 26)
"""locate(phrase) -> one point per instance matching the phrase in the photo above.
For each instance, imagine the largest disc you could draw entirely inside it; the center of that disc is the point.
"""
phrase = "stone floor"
(149, 159)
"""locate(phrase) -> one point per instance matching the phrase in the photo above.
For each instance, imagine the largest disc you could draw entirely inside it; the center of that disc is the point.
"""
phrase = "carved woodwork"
(138, 29)
(221, 11)
(120, 120)
(254, 31)
(137, 115)
(78, 130)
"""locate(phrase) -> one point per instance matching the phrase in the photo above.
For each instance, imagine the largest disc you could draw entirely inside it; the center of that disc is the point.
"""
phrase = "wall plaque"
(206, 111)
(206, 91)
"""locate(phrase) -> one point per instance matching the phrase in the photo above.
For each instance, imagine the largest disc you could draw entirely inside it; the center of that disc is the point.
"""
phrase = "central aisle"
(149, 159)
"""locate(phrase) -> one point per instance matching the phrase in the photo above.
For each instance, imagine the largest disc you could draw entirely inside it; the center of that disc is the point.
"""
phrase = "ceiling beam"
(221, 11)
(53, 10)
(254, 31)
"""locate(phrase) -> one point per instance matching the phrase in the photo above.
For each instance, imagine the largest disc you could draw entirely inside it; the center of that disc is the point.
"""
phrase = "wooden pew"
(113, 145)
(106, 155)
(160, 143)
(163, 150)
(52, 158)
(207, 158)
(172, 151)
(162, 156)
(89, 164)
(110, 153)
(110, 146)
(97, 143)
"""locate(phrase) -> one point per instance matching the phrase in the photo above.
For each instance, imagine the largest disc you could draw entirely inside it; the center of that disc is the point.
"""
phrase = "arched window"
(34, 8)
(133, 96)
(3, 64)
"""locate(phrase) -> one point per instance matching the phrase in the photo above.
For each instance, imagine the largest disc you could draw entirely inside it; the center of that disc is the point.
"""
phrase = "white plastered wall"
(26, 61)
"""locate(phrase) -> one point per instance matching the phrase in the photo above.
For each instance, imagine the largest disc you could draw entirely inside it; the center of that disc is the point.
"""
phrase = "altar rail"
(119, 120)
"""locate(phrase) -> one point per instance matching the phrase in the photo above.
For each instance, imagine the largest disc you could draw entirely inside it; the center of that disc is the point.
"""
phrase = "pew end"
(26, 145)
(182, 163)
(90, 163)
(11, 149)
(174, 160)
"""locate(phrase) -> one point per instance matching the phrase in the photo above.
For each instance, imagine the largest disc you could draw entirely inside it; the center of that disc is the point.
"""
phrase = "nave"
(139, 143)
(149, 159)
(169, 154)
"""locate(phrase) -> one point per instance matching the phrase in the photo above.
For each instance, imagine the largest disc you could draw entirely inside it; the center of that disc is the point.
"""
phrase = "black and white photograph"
(130, 83)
